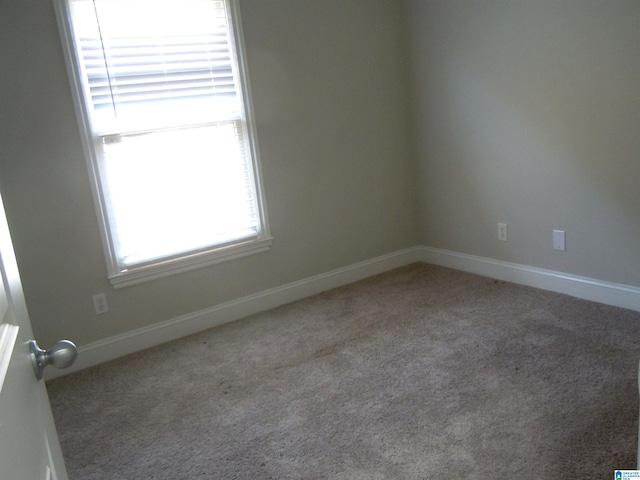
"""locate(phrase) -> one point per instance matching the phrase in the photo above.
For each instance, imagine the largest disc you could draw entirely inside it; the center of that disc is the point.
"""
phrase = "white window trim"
(190, 261)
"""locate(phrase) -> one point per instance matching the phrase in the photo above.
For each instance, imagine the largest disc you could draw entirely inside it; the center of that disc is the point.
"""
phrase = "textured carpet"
(419, 373)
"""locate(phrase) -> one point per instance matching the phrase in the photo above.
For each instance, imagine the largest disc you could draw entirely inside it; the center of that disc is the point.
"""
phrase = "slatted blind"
(151, 64)
(162, 89)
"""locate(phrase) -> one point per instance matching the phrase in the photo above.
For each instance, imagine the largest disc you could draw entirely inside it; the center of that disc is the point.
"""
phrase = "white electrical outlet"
(100, 303)
(559, 240)
(502, 232)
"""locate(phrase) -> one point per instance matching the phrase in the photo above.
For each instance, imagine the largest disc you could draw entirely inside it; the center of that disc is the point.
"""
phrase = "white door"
(29, 447)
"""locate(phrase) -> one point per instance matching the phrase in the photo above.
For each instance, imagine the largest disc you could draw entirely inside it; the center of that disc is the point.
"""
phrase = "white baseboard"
(156, 334)
(624, 296)
(119, 345)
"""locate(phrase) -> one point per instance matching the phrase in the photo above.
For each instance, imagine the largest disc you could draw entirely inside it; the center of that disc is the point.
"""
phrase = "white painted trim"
(624, 296)
(186, 263)
(8, 336)
(172, 329)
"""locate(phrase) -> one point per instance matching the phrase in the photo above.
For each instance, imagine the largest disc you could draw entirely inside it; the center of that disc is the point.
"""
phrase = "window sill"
(167, 268)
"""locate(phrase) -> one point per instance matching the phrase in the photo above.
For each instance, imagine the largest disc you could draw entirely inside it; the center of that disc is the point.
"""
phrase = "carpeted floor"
(419, 373)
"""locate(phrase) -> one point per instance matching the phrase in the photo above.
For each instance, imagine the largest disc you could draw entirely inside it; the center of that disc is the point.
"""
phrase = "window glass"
(163, 97)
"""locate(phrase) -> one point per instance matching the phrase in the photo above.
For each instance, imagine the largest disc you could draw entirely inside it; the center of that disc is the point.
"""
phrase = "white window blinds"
(154, 64)
(161, 88)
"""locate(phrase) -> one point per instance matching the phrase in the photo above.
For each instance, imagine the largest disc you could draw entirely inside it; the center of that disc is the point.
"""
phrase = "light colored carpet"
(419, 373)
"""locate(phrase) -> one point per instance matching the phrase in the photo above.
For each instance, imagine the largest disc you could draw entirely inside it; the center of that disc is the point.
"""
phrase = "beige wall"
(521, 112)
(331, 119)
(528, 112)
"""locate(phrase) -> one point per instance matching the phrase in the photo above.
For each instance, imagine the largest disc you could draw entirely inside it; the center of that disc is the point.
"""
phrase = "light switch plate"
(559, 240)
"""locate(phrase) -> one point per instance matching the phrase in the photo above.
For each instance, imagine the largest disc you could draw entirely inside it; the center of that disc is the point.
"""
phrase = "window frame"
(181, 262)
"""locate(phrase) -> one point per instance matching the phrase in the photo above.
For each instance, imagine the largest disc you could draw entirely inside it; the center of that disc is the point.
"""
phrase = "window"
(163, 102)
